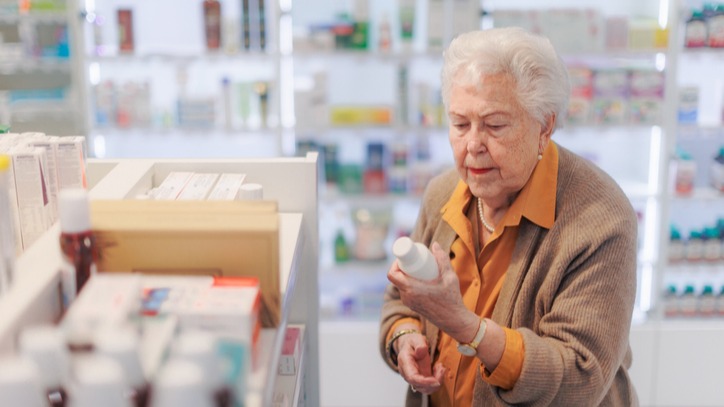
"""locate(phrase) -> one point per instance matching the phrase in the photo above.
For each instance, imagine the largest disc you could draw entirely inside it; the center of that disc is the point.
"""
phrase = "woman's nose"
(475, 144)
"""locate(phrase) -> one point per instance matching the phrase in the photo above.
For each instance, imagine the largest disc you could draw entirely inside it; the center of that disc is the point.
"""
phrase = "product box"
(227, 307)
(580, 104)
(610, 96)
(105, 300)
(198, 187)
(688, 111)
(29, 165)
(214, 238)
(70, 160)
(51, 173)
(172, 185)
(227, 187)
(646, 96)
(360, 115)
(291, 350)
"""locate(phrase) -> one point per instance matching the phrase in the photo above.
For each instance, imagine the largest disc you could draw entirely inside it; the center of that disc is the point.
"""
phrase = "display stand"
(291, 182)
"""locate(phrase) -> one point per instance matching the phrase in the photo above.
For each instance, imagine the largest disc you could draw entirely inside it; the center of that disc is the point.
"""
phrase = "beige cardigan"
(569, 291)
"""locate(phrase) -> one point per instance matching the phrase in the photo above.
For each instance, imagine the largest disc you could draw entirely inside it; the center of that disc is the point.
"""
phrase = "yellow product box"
(218, 238)
(360, 115)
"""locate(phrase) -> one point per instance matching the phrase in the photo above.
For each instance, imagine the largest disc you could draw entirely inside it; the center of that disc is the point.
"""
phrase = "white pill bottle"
(415, 259)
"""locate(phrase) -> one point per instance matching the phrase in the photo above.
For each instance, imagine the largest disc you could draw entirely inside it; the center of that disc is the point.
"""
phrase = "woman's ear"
(546, 132)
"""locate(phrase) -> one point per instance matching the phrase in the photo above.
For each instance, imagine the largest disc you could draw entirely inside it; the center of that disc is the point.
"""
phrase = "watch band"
(471, 349)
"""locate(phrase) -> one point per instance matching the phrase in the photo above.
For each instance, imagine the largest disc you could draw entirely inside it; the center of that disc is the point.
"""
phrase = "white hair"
(541, 78)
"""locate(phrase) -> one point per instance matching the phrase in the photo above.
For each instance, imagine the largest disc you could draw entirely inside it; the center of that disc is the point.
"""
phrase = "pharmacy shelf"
(34, 296)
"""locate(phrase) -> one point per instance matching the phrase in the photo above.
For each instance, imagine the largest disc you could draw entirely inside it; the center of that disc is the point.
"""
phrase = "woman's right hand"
(415, 364)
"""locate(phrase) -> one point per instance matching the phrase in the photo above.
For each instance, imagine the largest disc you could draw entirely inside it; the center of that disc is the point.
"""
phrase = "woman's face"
(495, 142)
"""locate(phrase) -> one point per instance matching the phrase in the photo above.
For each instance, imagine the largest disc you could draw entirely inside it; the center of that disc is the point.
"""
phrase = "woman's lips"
(479, 171)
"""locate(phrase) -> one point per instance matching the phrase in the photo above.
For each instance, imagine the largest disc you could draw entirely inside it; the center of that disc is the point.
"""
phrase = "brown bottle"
(212, 24)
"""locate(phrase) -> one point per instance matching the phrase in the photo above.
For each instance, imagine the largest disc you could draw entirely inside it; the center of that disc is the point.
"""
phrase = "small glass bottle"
(415, 259)
(212, 24)
(77, 241)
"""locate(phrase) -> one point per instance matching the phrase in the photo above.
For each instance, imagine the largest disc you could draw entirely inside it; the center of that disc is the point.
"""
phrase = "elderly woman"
(536, 248)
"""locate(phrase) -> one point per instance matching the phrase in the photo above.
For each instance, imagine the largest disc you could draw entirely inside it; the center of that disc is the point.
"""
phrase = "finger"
(395, 275)
(439, 371)
(442, 257)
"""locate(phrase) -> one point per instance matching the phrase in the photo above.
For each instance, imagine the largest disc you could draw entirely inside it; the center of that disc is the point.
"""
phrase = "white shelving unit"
(41, 83)
(170, 65)
(292, 182)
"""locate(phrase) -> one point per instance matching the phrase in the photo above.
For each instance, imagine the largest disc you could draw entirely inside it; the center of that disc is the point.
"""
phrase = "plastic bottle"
(716, 171)
(341, 249)
(715, 27)
(707, 302)
(99, 381)
(415, 259)
(77, 241)
(720, 302)
(20, 383)
(711, 250)
(695, 34)
(685, 174)
(122, 345)
(671, 305)
(688, 302)
(251, 192)
(676, 246)
(694, 246)
(45, 346)
(180, 383)
(720, 228)
(201, 348)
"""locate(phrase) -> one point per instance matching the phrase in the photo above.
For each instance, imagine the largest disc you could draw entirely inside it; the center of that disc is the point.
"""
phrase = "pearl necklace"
(482, 218)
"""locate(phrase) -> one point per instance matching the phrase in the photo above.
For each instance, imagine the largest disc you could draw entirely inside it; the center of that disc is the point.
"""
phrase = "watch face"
(467, 350)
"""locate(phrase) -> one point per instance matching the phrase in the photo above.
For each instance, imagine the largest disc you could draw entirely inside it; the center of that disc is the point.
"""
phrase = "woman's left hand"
(439, 300)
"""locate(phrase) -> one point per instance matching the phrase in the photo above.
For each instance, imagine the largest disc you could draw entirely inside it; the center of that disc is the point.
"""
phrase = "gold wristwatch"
(471, 349)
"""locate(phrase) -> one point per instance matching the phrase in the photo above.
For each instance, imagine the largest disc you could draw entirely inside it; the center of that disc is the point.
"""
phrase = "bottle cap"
(20, 383)
(99, 382)
(74, 210)
(251, 192)
(122, 344)
(45, 345)
(179, 383)
(403, 250)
